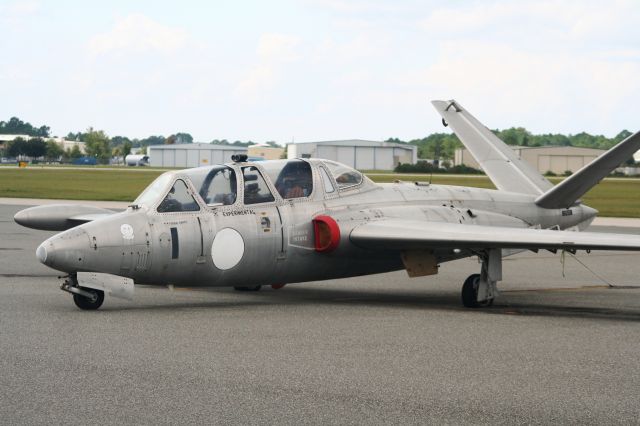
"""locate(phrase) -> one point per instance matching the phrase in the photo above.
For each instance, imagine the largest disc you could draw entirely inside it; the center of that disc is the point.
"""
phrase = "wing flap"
(397, 234)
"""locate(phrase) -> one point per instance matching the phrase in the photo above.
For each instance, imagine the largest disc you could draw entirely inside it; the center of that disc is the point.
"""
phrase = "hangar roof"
(361, 142)
(200, 145)
(568, 148)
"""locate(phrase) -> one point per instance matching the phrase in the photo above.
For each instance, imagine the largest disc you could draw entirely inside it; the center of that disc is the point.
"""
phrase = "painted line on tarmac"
(573, 289)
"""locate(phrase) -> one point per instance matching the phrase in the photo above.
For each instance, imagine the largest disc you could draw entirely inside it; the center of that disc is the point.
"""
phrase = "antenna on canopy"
(239, 158)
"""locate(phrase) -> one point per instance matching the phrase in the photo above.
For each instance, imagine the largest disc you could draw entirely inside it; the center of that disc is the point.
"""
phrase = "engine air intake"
(326, 232)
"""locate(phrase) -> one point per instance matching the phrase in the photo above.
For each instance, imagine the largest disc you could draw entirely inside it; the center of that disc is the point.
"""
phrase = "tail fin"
(500, 163)
(569, 190)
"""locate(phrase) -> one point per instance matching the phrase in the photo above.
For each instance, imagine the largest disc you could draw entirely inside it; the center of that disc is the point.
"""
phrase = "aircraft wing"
(399, 234)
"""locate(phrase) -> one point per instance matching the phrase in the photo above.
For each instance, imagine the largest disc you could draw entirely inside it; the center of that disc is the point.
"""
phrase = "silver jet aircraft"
(248, 225)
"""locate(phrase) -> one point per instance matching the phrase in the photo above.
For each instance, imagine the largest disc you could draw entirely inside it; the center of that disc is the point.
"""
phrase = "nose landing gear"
(85, 298)
(89, 303)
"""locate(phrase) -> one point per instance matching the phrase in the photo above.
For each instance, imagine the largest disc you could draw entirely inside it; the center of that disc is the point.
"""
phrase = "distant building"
(357, 153)
(64, 144)
(192, 154)
(67, 144)
(629, 171)
(556, 159)
(7, 138)
(267, 152)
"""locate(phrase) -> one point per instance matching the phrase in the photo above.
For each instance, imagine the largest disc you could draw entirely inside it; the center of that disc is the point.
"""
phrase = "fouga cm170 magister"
(251, 224)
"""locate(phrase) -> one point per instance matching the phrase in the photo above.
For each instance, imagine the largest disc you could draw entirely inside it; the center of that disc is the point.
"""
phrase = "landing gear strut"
(479, 290)
(85, 298)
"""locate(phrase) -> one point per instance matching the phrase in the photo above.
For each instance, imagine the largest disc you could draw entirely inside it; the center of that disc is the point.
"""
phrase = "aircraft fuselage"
(273, 243)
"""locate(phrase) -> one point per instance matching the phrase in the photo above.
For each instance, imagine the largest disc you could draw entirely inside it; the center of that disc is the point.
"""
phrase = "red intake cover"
(326, 232)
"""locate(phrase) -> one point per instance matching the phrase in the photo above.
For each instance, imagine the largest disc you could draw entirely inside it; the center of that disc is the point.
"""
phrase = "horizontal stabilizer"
(498, 160)
(398, 234)
(567, 192)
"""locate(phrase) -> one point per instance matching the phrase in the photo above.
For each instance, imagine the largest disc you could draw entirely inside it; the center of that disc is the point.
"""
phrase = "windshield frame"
(160, 186)
(188, 186)
(273, 183)
(206, 170)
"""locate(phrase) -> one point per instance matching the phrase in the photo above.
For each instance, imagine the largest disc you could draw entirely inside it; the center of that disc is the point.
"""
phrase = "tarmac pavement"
(376, 349)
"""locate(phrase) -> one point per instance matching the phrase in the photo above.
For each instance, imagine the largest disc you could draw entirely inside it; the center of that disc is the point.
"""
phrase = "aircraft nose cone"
(65, 251)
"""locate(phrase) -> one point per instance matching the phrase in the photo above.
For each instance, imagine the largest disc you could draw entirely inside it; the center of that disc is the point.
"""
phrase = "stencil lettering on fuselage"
(301, 236)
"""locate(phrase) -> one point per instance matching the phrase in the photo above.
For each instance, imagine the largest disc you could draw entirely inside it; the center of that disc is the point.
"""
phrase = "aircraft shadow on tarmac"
(529, 303)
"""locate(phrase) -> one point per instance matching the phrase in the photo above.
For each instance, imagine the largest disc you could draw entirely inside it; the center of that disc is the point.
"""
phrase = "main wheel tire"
(87, 304)
(470, 293)
(255, 288)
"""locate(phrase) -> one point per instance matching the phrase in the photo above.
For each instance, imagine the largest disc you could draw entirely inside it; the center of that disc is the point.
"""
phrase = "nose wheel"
(87, 299)
(91, 303)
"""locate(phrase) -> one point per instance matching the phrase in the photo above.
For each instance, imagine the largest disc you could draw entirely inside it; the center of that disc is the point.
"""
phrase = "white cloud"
(450, 21)
(548, 65)
(256, 82)
(333, 68)
(543, 89)
(546, 21)
(273, 51)
(358, 6)
(361, 47)
(22, 8)
(278, 47)
(16, 14)
(138, 34)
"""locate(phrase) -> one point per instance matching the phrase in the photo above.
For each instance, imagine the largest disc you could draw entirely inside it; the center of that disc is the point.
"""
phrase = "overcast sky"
(319, 69)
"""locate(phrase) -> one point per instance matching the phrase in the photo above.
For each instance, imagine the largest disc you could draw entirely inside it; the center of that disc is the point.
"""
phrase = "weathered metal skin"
(277, 237)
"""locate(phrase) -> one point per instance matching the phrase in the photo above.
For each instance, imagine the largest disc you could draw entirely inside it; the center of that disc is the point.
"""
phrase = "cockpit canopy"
(292, 178)
(345, 176)
(216, 185)
(219, 185)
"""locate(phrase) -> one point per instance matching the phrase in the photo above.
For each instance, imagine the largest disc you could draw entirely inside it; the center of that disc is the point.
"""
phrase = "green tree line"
(442, 146)
(15, 126)
(439, 146)
(38, 147)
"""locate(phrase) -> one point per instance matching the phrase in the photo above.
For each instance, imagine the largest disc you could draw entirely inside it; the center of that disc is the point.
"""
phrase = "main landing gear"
(479, 290)
(85, 298)
(258, 287)
(253, 288)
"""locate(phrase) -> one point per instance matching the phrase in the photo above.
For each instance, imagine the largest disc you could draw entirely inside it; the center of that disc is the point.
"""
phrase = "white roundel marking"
(227, 249)
(127, 231)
